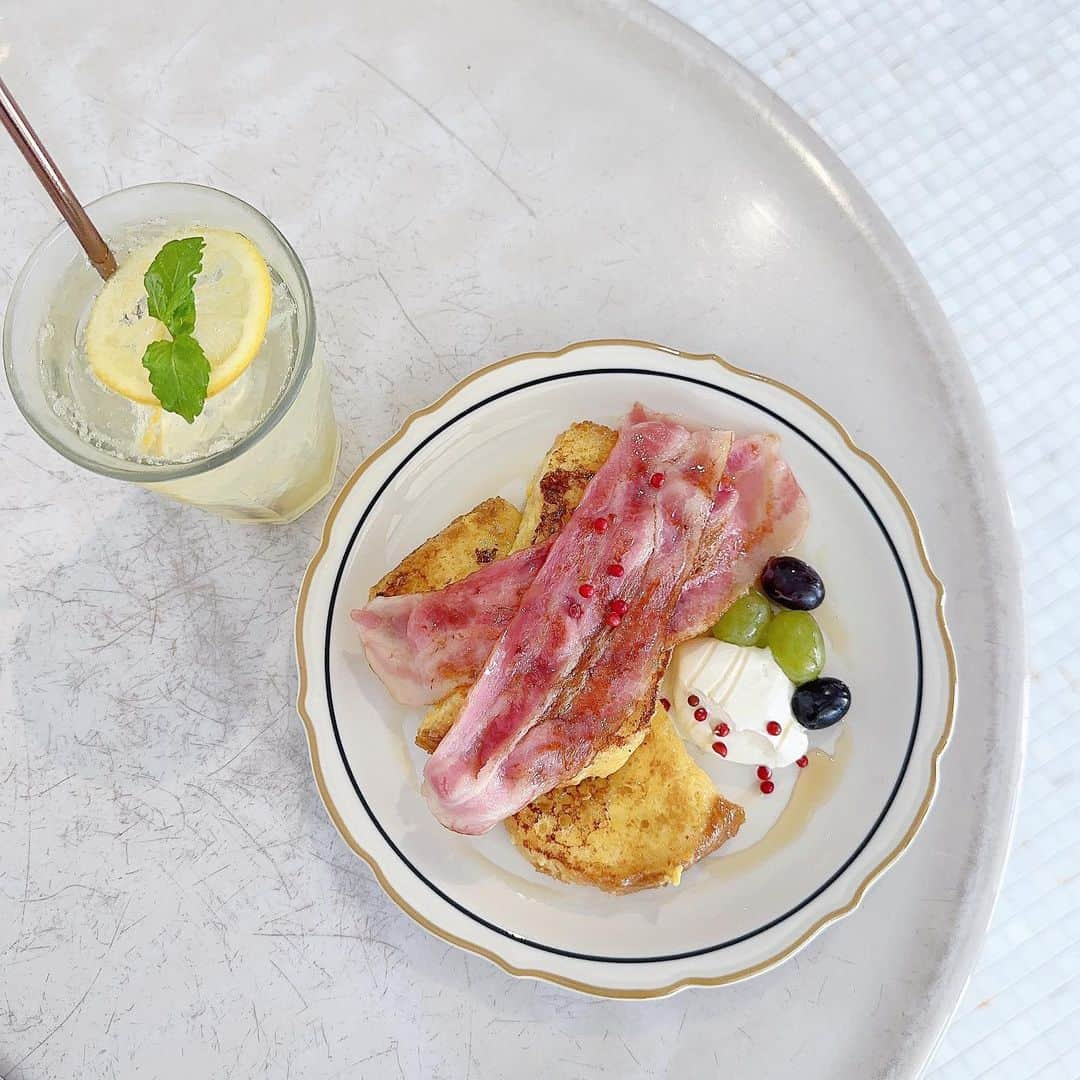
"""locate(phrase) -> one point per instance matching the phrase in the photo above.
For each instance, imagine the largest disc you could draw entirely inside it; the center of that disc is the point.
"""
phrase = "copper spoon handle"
(52, 180)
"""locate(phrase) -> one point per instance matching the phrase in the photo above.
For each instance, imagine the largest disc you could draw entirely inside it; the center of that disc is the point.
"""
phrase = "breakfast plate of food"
(624, 668)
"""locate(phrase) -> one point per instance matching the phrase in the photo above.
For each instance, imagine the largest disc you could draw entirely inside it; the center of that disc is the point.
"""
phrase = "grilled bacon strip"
(564, 670)
(422, 646)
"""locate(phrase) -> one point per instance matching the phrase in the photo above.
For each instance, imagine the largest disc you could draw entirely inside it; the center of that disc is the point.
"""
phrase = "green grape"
(745, 622)
(797, 645)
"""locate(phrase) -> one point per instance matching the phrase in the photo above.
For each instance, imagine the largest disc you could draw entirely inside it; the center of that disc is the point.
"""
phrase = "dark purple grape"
(791, 583)
(821, 703)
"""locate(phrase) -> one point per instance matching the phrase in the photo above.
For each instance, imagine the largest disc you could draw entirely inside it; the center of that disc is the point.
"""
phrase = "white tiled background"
(962, 118)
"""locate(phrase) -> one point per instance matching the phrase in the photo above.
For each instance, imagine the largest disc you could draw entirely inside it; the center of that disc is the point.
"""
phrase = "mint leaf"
(179, 375)
(170, 283)
(179, 371)
(183, 316)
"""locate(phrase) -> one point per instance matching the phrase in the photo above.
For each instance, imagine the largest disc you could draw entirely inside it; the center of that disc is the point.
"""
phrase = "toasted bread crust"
(559, 483)
(484, 534)
(636, 829)
(439, 719)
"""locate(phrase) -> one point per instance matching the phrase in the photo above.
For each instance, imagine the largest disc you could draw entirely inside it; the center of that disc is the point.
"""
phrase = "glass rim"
(149, 474)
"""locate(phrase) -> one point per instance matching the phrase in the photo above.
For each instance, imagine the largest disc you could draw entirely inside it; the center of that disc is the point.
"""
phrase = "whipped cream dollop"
(743, 688)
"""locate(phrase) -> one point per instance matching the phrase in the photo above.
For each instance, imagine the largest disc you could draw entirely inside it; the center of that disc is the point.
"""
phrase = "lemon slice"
(233, 295)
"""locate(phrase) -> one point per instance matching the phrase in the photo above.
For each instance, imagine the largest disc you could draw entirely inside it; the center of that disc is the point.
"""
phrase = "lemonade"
(258, 442)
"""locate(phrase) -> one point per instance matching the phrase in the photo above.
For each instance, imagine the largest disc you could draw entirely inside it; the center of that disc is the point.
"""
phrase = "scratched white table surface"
(173, 900)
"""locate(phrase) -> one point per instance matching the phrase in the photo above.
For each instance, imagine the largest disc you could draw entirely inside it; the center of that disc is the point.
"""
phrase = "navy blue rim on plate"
(502, 931)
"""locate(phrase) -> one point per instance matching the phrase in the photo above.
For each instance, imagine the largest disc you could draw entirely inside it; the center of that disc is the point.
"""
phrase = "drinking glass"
(264, 449)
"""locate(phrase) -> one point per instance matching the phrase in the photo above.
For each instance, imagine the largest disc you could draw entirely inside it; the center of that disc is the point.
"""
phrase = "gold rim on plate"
(549, 976)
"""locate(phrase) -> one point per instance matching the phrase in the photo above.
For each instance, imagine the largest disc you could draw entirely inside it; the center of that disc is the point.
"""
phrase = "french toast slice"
(638, 828)
(484, 534)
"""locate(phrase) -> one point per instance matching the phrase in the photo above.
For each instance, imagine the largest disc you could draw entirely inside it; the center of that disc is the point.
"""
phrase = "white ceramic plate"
(731, 917)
